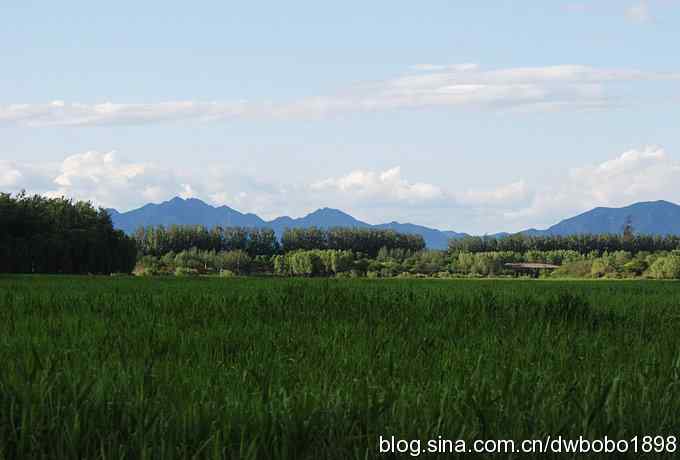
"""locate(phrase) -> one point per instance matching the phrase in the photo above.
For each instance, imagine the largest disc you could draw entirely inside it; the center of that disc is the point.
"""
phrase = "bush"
(236, 261)
(579, 269)
(184, 271)
(601, 267)
(667, 267)
(635, 267)
(147, 266)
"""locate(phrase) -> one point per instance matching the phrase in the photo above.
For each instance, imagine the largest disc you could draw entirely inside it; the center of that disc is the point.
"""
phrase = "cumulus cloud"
(390, 188)
(557, 87)
(95, 167)
(385, 186)
(110, 180)
(15, 176)
(10, 176)
(107, 180)
(634, 175)
(648, 173)
(645, 174)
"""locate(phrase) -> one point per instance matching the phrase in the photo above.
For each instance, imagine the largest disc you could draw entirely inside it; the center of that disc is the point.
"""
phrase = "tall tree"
(57, 235)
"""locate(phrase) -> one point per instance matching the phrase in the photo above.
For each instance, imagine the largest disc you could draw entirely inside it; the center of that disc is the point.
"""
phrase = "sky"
(474, 116)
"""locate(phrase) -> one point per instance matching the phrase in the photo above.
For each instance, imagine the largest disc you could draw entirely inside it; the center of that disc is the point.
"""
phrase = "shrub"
(601, 267)
(579, 269)
(184, 271)
(236, 261)
(667, 267)
(635, 267)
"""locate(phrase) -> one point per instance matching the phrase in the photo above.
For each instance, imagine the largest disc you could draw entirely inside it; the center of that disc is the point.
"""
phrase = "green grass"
(293, 369)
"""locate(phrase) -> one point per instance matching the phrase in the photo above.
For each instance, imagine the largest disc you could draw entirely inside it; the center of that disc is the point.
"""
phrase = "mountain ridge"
(659, 217)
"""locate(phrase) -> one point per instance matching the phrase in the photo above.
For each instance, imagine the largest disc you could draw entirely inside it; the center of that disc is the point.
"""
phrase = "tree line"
(582, 244)
(368, 241)
(400, 263)
(159, 240)
(58, 235)
(301, 262)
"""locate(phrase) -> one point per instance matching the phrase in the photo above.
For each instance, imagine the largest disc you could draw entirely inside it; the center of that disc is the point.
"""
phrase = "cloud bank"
(648, 173)
(549, 88)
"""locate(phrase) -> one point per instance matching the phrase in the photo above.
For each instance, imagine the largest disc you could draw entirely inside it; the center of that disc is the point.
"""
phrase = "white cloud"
(187, 191)
(648, 173)
(385, 186)
(112, 181)
(10, 176)
(96, 168)
(552, 88)
(634, 175)
(645, 174)
(15, 176)
(107, 180)
(639, 12)
(60, 113)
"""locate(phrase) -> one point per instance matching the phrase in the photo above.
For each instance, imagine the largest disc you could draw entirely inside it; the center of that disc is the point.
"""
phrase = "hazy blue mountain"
(183, 212)
(498, 235)
(535, 232)
(321, 218)
(654, 217)
(649, 217)
(195, 212)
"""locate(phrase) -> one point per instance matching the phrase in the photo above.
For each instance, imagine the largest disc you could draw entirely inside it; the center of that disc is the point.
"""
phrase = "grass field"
(312, 368)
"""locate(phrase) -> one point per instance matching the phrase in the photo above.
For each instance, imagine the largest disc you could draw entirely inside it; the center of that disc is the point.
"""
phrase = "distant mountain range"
(195, 212)
(652, 217)
(648, 217)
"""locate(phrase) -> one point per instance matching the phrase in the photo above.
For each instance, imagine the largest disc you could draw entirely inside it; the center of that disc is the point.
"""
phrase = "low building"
(531, 268)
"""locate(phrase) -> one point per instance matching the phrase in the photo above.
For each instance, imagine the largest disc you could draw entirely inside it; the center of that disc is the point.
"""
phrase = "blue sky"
(471, 116)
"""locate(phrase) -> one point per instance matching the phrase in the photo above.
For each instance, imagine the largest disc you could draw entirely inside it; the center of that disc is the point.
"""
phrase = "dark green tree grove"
(160, 240)
(367, 241)
(583, 244)
(58, 235)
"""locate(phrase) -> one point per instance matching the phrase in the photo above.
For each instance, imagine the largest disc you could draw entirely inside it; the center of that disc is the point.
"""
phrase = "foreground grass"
(294, 369)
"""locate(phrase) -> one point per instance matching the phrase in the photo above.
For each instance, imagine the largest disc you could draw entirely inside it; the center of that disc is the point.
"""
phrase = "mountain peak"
(653, 203)
(327, 218)
(648, 217)
(328, 212)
